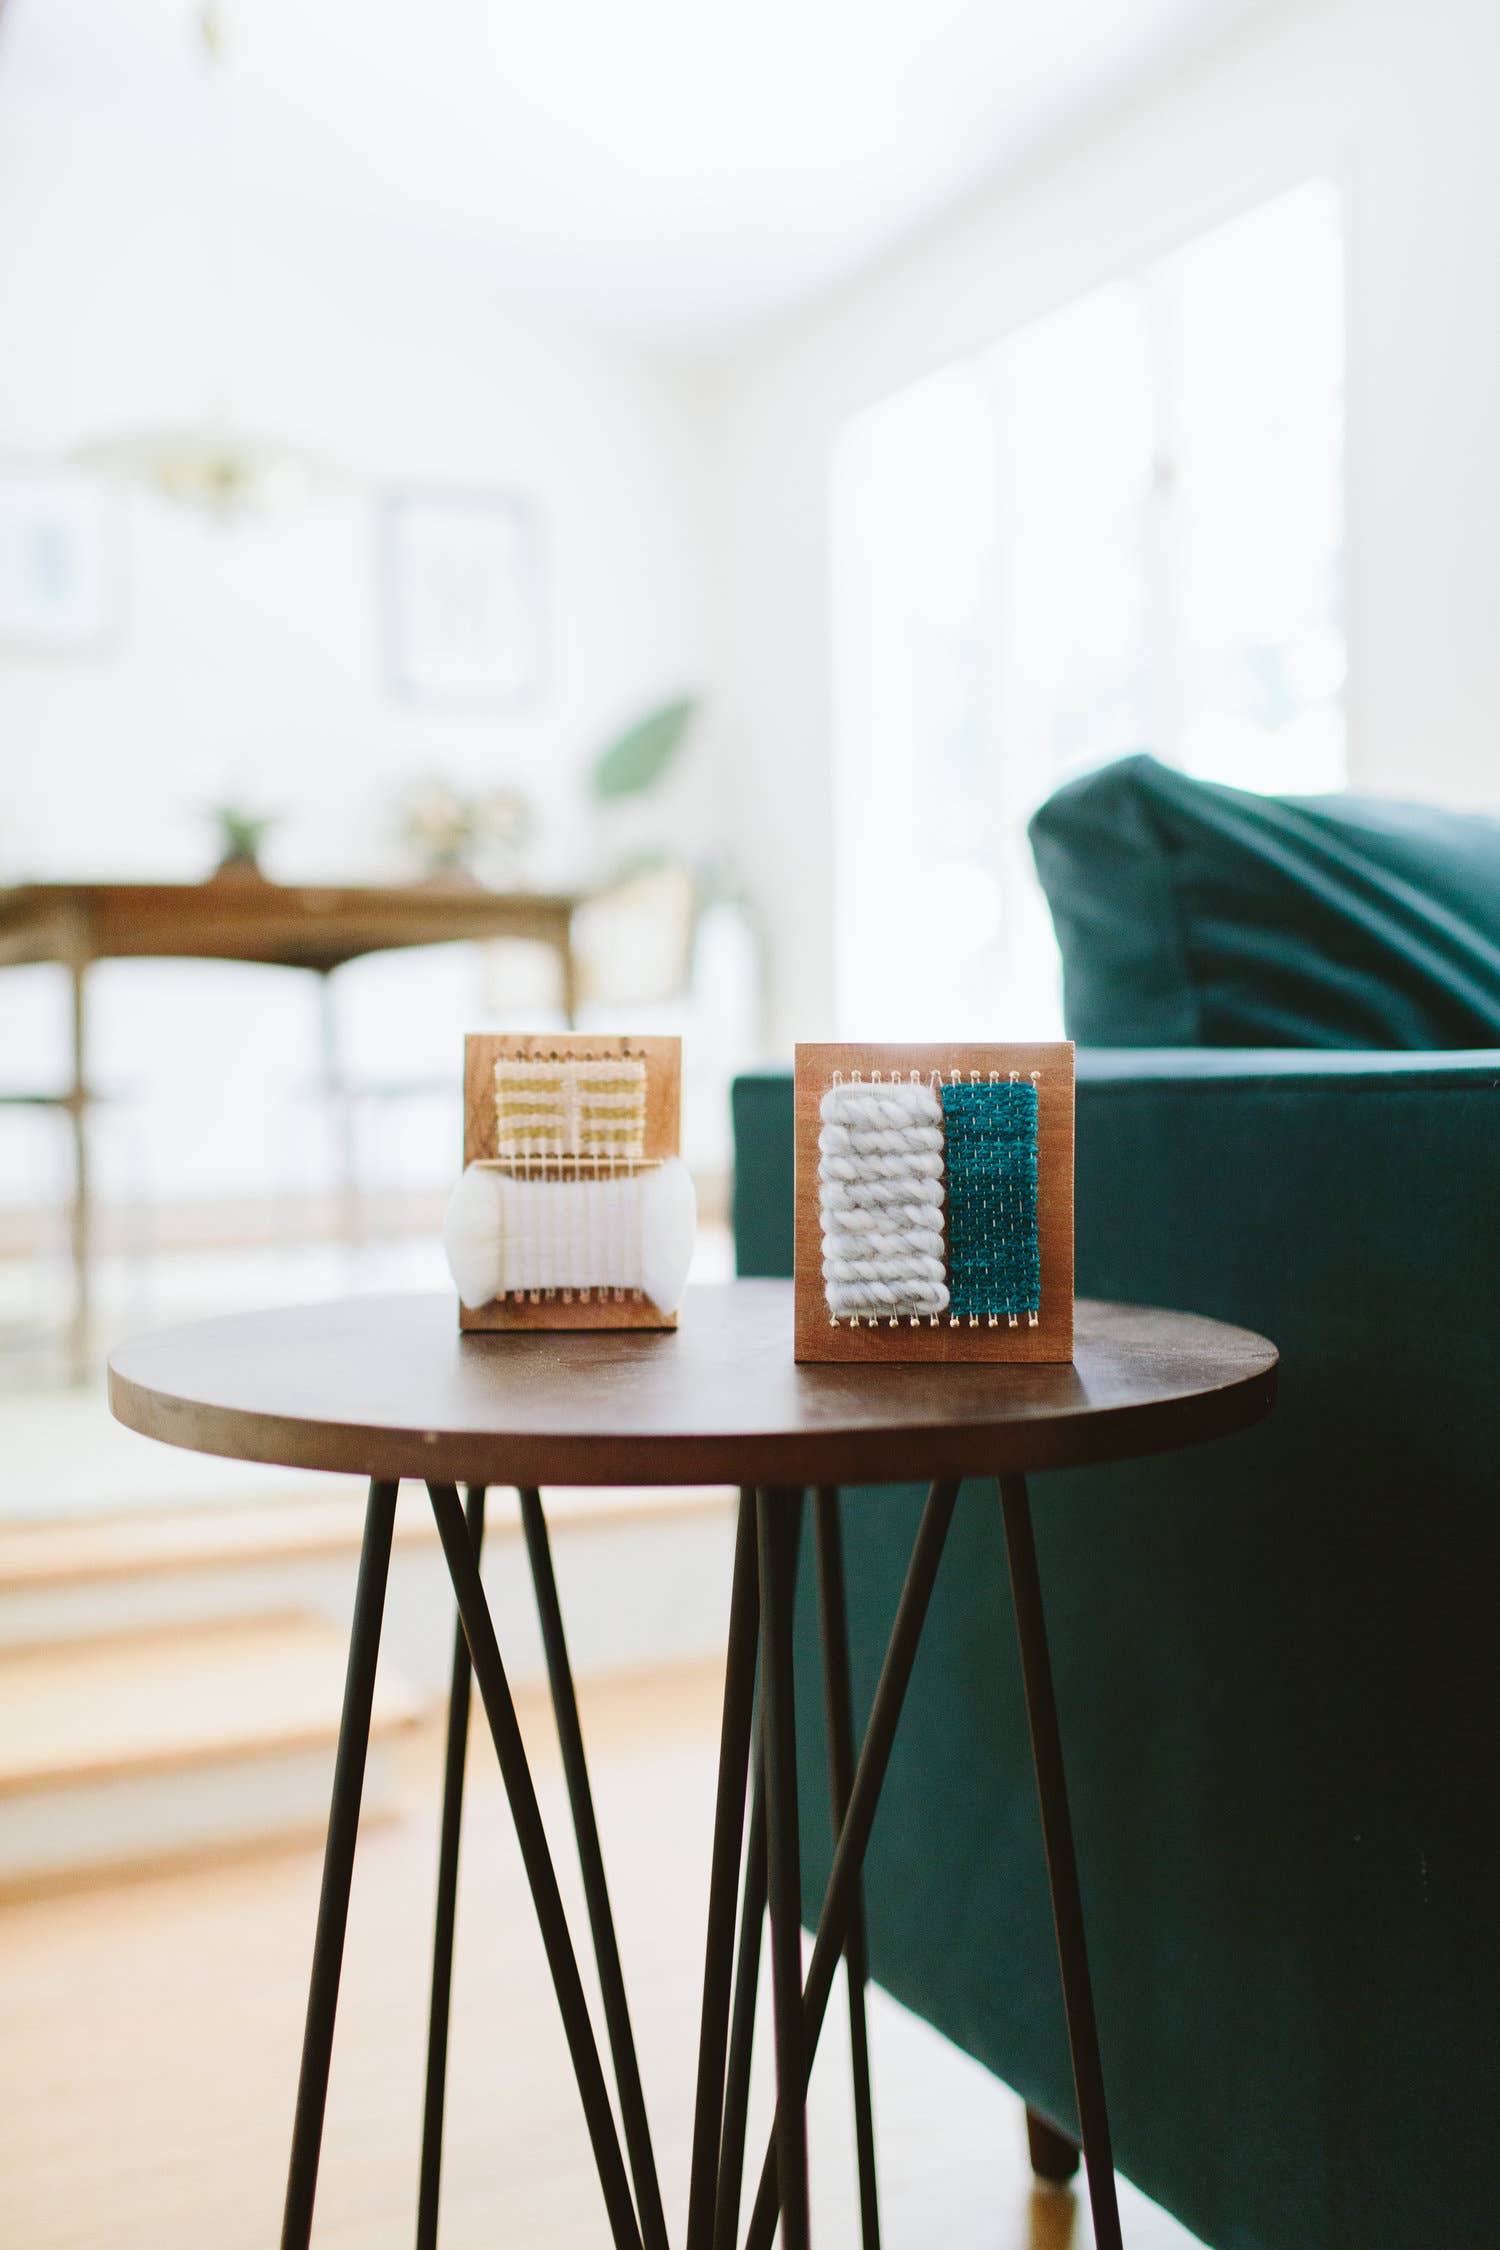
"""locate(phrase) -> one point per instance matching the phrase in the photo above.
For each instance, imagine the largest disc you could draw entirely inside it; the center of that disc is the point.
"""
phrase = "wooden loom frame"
(818, 1336)
(663, 1059)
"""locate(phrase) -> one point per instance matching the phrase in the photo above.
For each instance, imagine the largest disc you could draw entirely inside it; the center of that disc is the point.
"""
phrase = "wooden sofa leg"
(1053, 2156)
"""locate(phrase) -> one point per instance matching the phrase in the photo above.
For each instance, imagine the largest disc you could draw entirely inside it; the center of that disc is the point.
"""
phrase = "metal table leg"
(838, 1711)
(1062, 1867)
(776, 1533)
(338, 1867)
(595, 1888)
(854, 1836)
(723, 1885)
(760, 1615)
(742, 2022)
(447, 1894)
(515, 1772)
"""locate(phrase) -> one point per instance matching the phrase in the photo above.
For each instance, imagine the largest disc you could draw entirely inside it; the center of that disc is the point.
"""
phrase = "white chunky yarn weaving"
(880, 1173)
(505, 1236)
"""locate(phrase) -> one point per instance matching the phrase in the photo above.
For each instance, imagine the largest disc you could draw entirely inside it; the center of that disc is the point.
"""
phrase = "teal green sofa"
(1277, 1660)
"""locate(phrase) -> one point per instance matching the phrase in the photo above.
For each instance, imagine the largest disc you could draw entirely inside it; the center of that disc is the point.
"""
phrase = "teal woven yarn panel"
(994, 1260)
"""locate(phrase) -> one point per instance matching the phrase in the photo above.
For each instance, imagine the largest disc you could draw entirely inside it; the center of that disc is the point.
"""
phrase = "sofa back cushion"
(1193, 915)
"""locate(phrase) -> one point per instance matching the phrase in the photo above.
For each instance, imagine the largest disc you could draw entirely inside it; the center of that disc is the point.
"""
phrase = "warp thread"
(571, 1234)
(880, 1173)
(542, 1238)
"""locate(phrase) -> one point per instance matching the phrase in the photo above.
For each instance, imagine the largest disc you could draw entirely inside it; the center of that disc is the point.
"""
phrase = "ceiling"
(683, 169)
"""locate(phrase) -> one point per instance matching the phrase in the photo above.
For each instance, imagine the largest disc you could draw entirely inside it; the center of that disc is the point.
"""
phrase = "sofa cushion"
(1193, 915)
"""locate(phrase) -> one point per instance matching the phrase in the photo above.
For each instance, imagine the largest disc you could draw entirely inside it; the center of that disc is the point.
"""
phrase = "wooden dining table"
(242, 916)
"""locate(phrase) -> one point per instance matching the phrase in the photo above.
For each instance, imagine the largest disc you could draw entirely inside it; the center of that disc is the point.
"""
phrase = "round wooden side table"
(386, 1387)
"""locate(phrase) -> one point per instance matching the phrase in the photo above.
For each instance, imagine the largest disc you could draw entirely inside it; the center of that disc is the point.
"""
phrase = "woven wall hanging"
(575, 1209)
(934, 1202)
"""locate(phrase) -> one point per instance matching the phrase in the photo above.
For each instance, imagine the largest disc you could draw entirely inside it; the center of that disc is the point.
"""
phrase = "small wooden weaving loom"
(572, 1128)
(934, 1202)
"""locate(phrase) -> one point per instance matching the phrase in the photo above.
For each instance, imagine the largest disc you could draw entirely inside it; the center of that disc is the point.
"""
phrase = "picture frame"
(461, 598)
(60, 577)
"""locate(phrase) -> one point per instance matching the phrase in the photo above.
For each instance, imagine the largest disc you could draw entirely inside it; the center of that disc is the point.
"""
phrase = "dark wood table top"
(386, 1386)
(284, 925)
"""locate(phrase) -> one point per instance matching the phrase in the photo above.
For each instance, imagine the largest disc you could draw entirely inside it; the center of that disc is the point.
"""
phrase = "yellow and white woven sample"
(587, 1110)
(609, 1114)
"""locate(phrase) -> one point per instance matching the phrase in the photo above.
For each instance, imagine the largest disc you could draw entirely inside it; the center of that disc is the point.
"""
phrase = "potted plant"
(241, 833)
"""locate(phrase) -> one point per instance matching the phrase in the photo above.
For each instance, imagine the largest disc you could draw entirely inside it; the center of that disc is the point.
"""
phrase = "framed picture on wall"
(59, 566)
(461, 598)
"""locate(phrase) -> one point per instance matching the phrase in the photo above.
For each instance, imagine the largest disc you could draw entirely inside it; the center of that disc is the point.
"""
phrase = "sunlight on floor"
(152, 2036)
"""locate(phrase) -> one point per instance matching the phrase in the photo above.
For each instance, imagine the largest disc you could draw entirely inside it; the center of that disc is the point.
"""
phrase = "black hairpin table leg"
(838, 1713)
(541, 1876)
(742, 2021)
(723, 1882)
(447, 1894)
(1062, 1867)
(338, 1867)
(761, 1613)
(854, 1836)
(595, 1887)
(776, 1532)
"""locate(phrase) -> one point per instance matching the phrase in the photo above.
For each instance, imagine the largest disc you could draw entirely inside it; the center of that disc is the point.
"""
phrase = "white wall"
(1394, 101)
(248, 661)
(379, 355)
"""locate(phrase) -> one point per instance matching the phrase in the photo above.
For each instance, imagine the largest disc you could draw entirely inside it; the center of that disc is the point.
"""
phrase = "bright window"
(1120, 529)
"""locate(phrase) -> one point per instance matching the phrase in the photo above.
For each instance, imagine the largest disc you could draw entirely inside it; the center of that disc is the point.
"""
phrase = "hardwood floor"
(149, 2035)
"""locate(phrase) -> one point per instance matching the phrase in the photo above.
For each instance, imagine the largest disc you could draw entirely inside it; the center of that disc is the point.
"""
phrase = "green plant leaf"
(641, 755)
